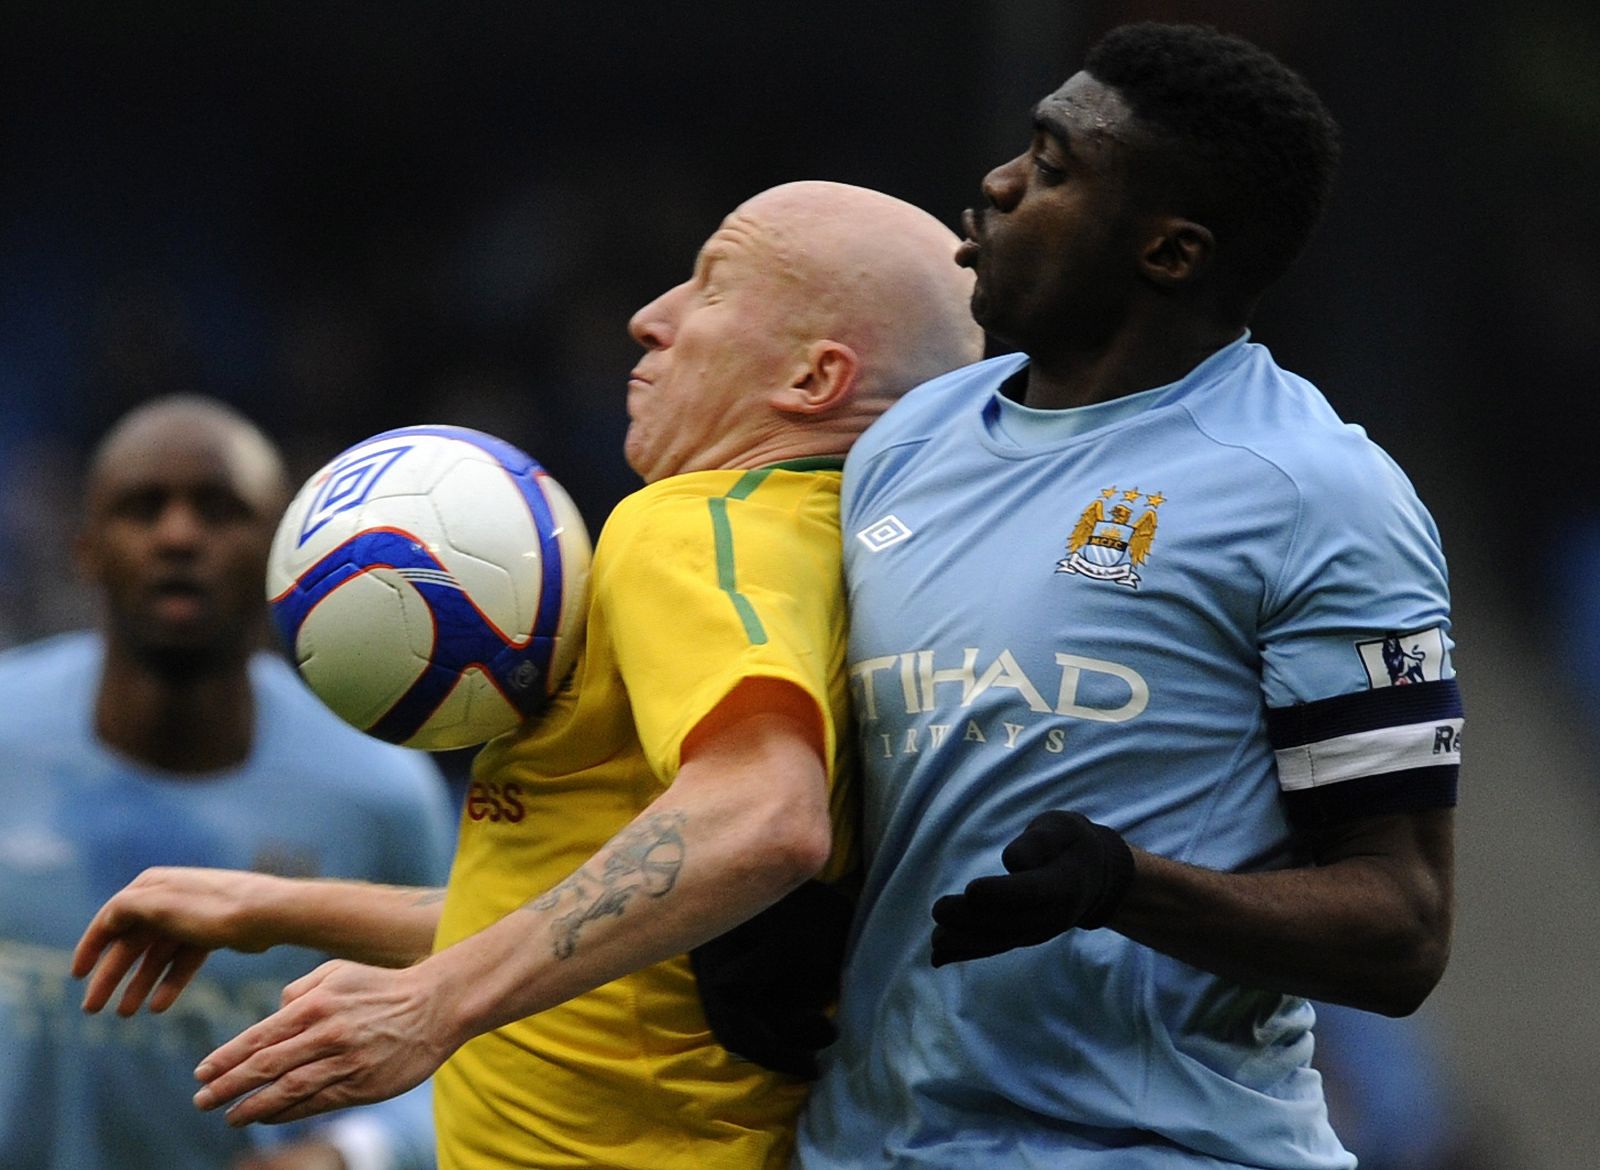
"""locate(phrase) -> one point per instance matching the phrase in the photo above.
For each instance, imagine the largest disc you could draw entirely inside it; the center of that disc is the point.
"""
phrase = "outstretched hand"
(1062, 871)
(165, 922)
(347, 1034)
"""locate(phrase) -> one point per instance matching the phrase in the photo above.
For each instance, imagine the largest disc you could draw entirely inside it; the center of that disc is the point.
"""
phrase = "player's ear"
(824, 378)
(1177, 252)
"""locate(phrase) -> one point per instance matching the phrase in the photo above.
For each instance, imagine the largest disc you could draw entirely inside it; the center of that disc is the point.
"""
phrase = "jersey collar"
(807, 463)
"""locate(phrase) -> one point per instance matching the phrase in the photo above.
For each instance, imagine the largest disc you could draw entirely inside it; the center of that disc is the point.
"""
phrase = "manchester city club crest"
(1107, 543)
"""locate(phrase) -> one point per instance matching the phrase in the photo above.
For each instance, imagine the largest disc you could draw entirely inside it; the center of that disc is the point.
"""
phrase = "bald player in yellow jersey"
(693, 774)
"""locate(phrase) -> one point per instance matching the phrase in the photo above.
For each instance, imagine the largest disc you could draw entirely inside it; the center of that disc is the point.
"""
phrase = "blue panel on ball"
(463, 637)
(525, 472)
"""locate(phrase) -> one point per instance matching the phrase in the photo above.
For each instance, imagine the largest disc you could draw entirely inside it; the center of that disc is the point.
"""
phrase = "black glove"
(1062, 871)
(768, 984)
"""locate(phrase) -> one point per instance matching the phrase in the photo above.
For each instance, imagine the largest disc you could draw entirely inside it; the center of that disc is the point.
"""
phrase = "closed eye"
(1047, 171)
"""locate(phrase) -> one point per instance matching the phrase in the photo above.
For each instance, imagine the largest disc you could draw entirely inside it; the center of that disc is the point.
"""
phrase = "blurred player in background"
(1119, 610)
(167, 739)
(696, 772)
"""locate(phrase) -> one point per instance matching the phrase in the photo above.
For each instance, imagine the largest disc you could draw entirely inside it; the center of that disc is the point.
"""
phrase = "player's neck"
(817, 441)
(1129, 362)
(197, 724)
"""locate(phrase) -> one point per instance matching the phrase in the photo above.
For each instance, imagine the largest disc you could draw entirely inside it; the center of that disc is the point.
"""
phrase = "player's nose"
(1002, 187)
(178, 525)
(653, 326)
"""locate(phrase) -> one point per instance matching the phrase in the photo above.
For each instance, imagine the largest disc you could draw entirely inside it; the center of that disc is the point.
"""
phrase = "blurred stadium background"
(349, 217)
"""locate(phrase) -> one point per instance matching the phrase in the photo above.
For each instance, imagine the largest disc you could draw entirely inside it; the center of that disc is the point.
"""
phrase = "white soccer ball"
(430, 583)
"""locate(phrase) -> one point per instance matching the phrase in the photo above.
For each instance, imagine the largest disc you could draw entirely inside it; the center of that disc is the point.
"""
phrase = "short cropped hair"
(1258, 146)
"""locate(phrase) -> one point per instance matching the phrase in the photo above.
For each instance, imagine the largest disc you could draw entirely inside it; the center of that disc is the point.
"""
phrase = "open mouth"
(179, 599)
(967, 251)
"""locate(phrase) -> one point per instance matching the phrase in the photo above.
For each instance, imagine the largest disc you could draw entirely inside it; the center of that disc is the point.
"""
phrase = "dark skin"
(181, 505)
(1137, 295)
(1368, 925)
(1130, 300)
(179, 516)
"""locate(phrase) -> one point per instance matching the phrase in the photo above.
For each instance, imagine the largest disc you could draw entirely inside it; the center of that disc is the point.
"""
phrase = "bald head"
(874, 273)
(811, 308)
(150, 435)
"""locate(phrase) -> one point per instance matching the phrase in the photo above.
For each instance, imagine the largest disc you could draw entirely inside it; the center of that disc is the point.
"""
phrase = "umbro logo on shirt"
(883, 533)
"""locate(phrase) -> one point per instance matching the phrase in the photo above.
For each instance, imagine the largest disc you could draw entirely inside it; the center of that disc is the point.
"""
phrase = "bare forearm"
(710, 852)
(745, 820)
(385, 926)
(168, 919)
(1350, 932)
(246, 911)
(680, 874)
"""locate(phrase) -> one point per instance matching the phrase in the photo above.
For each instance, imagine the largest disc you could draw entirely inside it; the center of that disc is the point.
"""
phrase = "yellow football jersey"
(699, 581)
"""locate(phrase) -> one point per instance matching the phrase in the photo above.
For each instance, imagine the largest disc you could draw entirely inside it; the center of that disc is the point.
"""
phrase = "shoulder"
(301, 733)
(926, 409)
(41, 680)
(917, 420)
(668, 519)
(1286, 423)
(675, 500)
(1340, 517)
(677, 514)
(63, 654)
(688, 494)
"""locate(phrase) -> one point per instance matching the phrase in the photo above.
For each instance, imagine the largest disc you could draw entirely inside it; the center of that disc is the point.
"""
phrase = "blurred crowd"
(341, 222)
(346, 218)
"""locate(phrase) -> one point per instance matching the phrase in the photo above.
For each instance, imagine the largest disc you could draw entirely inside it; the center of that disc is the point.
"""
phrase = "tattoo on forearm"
(428, 898)
(643, 858)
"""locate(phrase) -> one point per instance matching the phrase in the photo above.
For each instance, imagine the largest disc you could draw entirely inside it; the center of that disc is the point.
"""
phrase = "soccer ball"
(430, 583)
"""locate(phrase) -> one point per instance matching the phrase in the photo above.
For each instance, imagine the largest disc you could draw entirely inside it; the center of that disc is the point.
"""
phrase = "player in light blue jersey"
(1151, 657)
(165, 741)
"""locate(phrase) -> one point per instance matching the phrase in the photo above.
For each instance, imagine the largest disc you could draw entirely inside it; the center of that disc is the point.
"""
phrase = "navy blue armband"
(1385, 750)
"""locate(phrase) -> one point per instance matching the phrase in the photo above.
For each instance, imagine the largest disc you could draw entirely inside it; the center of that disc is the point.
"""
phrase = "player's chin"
(986, 311)
(189, 650)
(985, 301)
(634, 452)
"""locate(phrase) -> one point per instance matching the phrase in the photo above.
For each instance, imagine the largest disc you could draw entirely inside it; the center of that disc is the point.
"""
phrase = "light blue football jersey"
(1180, 616)
(79, 821)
